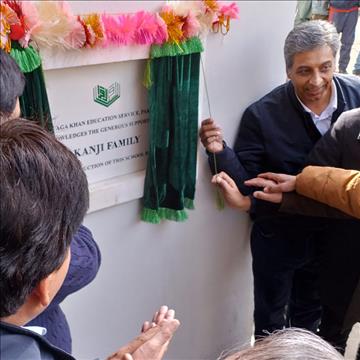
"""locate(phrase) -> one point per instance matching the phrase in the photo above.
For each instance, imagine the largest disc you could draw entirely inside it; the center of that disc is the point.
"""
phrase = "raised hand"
(163, 313)
(154, 340)
(211, 136)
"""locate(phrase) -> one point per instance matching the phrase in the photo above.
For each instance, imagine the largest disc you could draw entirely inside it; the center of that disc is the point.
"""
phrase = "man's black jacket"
(276, 134)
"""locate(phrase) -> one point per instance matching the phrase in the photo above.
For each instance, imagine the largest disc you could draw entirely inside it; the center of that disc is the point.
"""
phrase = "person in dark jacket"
(40, 213)
(339, 147)
(85, 254)
(344, 15)
(276, 134)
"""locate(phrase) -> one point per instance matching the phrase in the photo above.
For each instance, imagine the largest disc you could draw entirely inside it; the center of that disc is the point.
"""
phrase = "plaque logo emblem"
(106, 96)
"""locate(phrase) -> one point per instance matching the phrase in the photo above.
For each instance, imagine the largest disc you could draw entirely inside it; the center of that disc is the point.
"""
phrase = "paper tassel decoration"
(52, 24)
(17, 30)
(189, 46)
(174, 24)
(55, 26)
(94, 29)
(150, 29)
(8, 18)
(211, 5)
(226, 13)
(27, 58)
(191, 26)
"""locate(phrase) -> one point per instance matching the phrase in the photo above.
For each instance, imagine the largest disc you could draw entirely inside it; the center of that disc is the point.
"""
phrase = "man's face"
(311, 75)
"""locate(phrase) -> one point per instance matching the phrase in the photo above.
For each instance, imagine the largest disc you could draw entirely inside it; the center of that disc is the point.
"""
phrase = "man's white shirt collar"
(36, 329)
(323, 121)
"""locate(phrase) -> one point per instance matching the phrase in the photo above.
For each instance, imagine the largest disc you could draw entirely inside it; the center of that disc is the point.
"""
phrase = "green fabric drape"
(171, 169)
(34, 101)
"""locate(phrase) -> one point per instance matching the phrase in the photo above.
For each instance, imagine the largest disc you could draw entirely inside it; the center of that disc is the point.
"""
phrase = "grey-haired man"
(276, 134)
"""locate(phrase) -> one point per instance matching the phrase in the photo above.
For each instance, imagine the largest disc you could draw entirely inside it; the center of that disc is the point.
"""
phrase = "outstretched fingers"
(271, 197)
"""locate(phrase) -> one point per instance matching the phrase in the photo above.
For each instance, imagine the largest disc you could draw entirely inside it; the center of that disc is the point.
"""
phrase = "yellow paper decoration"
(211, 5)
(94, 22)
(8, 17)
(174, 25)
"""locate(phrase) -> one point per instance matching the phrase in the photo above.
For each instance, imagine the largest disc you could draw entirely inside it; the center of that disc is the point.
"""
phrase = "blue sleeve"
(247, 158)
(84, 264)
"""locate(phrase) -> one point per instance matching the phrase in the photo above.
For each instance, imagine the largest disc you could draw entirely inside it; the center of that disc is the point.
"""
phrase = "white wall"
(201, 267)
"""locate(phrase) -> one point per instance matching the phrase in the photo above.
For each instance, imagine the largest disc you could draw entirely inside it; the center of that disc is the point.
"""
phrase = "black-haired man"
(85, 254)
(40, 213)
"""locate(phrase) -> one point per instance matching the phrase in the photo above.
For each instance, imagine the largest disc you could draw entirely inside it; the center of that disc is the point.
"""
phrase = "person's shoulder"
(349, 119)
(348, 124)
(348, 90)
(84, 245)
(353, 114)
(276, 97)
(22, 344)
(83, 231)
(348, 80)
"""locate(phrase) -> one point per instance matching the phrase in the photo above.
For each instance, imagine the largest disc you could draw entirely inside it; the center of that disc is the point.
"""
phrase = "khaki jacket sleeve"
(335, 187)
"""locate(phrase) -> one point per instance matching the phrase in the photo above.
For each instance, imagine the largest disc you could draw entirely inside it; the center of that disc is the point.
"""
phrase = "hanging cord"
(219, 199)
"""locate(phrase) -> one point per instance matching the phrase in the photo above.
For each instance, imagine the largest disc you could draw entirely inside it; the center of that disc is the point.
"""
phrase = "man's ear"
(288, 73)
(42, 291)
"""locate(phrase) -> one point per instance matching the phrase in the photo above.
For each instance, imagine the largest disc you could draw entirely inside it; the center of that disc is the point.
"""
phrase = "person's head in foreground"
(289, 344)
(12, 83)
(44, 197)
(310, 50)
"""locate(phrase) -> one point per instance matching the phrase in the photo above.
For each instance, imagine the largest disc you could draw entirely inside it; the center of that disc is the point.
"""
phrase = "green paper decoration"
(34, 102)
(190, 46)
(171, 170)
(28, 58)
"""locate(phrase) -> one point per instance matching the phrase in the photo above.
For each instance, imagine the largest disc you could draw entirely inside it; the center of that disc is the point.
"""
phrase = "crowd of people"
(294, 167)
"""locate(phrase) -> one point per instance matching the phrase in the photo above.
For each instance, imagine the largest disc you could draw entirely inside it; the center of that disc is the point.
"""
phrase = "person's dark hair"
(44, 197)
(308, 36)
(12, 83)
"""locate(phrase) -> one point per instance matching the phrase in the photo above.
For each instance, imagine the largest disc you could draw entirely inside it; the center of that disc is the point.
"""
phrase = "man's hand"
(211, 136)
(163, 313)
(232, 194)
(279, 182)
(271, 197)
(154, 340)
(266, 184)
